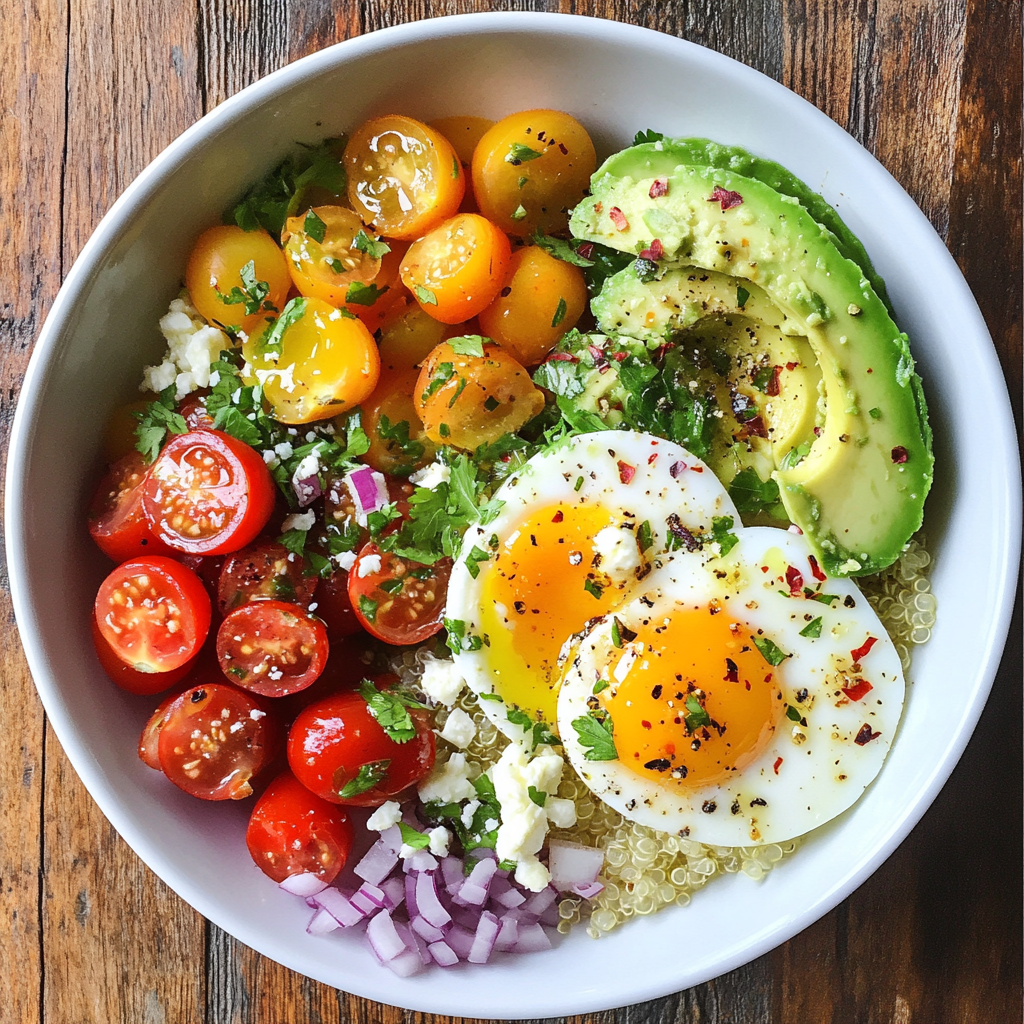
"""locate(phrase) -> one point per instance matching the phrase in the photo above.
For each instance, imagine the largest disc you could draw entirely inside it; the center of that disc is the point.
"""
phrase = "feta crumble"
(388, 814)
(441, 680)
(459, 730)
(432, 475)
(449, 782)
(192, 346)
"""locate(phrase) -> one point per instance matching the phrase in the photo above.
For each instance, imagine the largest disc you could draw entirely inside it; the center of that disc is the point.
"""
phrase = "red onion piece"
(406, 964)
(508, 936)
(420, 861)
(304, 884)
(413, 942)
(573, 864)
(369, 489)
(307, 490)
(364, 904)
(510, 899)
(339, 906)
(378, 862)
(425, 930)
(410, 894)
(588, 890)
(532, 939)
(428, 905)
(321, 923)
(540, 901)
(483, 942)
(451, 872)
(443, 954)
(384, 939)
(394, 891)
(461, 940)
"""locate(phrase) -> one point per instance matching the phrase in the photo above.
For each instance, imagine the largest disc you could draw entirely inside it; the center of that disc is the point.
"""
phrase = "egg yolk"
(698, 703)
(541, 587)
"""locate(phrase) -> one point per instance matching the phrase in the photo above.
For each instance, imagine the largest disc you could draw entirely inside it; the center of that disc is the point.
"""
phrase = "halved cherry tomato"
(541, 300)
(207, 568)
(272, 647)
(261, 570)
(149, 741)
(403, 176)
(351, 661)
(215, 267)
(335, 608)
(457, 270)
(398, 601)
(214, 740)
(293, 832)
(143, 683)
(193, 409)
(337, 747)
(117, 521)
(408, 334)
(531, 169)
(154, 613)
(398, 445)
(324, 361)
(208, 493)
(464, 132)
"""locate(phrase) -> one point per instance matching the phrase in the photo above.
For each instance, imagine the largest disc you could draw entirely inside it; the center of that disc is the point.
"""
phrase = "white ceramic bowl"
(615, 79)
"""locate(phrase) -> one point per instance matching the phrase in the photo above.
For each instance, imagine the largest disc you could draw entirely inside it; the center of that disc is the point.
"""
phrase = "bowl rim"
(77, 283)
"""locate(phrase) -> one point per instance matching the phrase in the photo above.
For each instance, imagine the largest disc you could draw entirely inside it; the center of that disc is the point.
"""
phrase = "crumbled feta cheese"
(192, 346)
(561, 811)
(407, 851)
(523, 824)
(467, 813)
(440, 838)
(459, 730)
(284, 450)
(449, 782)
(345, 560)
(388, 814)
(299, 521)
(368, 566)
(620, 554)
(306, 471)
(441, 681)
(432, 475)
(270, 458)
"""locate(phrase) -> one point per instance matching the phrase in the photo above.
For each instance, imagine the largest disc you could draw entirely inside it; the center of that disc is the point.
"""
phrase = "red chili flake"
(596, 353)
(816, 569)
(789, 366)
(654, 252)
(626, 472)
(561, 357)
(619, 356)
(768, 678)
(772, 387)
(507, 457)
(557, 517)
(645, 723)
(586, 250)
(670, 749)
(764, 568)
(755, 427)
(775, 767)
(618, 218)
(732, 671)
(651, 458)
(865, 735)
(598, 207)
(697, 469)
(725, 197)
(795, 580)
(675, 469)
(870, 370)
(659, 187)
(860, 689)
(859, 653)
(817, 431)
(899, 455)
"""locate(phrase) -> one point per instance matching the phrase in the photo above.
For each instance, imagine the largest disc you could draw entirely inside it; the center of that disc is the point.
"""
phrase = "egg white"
(822, 770)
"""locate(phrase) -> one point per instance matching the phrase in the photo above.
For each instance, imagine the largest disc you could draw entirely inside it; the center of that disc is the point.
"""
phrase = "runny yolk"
(542, 586)
(699, 702)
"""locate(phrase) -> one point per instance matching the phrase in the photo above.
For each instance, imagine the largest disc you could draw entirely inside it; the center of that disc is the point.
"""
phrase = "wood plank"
(117, 944)
(33, 48)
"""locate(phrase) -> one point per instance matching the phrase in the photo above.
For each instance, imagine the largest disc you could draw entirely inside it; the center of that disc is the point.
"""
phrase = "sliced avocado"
(859, 492)
(664, 156)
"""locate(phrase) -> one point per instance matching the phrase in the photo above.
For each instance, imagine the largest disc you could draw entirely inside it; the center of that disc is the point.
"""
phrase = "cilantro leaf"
(696, 714)
(647, 136)
(368, 776)
(519, 717)
(373, 247)
(560, 310)
(368, 607)
(562, 376)
(560, 249)
(272, 339)
(313, 226)
(156, 421)
(519, 153)
(812, 629)
(769, 651)
(474, 558)
(252, 293)
(397, 440)
(390, 711)
(468, 345)
(542, 734)
(741, 296)
(593, 588)
(644, 536)
(425, 295)
(538, 796)
(459, 638)
(363, 294)
(579, 420)
(594, 730)
(721, 531)
(412, 838)
(751, 494)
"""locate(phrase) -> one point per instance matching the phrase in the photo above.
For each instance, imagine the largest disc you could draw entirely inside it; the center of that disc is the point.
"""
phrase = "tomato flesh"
(208, 493)
(143, 683)
(214, 740)
(401, 602)
(335, 608)
(154, 613)
(272, 647)
(149, 741)
(117, 520)
(332, 740)
(293, 832)
(264, 570)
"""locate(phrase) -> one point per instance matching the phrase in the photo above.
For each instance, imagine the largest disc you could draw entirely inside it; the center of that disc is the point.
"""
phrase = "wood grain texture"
(93, 90)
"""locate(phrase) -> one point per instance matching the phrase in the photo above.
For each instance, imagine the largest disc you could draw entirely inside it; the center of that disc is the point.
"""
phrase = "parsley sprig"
(156, 421)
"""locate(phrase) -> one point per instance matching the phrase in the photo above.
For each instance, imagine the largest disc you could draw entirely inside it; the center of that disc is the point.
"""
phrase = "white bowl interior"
(616, 80)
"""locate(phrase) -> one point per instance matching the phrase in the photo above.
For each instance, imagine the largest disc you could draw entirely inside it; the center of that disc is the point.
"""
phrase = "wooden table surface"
(92, 90)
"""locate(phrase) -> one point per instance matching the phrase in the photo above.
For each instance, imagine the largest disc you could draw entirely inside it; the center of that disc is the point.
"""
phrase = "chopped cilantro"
(455, 167)
(538, 796)
(648, 136)
(397, 440)
(519, 153)
(390, 710)
(391, 586)
(313, 226)
(812, 629)
(467, 345)
(373, 247)
(443, 374)
(559, 312)
(644, 536)
(741, 296)
(519, 213)
(764, 377)
(792, 714)
(368, 607)
(460, 387)
(363, 294)
(156, 421)
(721, 532)
(413, 839)
(592, 588)
(795, 456)
(542, 734)
(751, 494)
(594, 730)
(272, 339)
(491, 403)
(252, 294)
(696, 716)
(519, 717)
(769, 651)
(368, 776)
(425, 295)
(459, 639)
(578, 484)
(560, 249)
(875, 414)
(600, 685)
(444, 430)
(474, 558)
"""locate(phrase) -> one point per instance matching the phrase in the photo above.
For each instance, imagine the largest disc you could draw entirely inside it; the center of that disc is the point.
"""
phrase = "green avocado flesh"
(858, 464)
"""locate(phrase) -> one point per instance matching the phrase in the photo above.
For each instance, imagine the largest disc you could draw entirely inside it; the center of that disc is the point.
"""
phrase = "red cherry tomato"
(149, 741)
(350, 662)
(117, 521)
(207, 568)
(208, 493)
(193, 409)
(264, 570)
(272, 647)
(154, 613)
(398, 601)
(292, 832)
(214, 740)
(335, 608)
(337, 747)
(143, 683)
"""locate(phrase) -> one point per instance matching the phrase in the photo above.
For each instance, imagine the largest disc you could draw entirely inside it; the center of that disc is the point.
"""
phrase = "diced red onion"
(540, 901)
(573, 864)
(443, 954)
(428, 905)
(474, 889)
(461, 940)
(421, 861)
(304, 884)
(321, 923)
(372, 893)
(364, 904)
(307, 490)
(413, 942)
(339, 906)
(588, 890)
(410, 894)
(425, 930)
(451, 871)
(483, 942)
(378, 862)
(406, 964)
(532, 939)
(510, 898)
(369, 489)
(394, 891)
(384, 939)
(508, 936)
(550, 916)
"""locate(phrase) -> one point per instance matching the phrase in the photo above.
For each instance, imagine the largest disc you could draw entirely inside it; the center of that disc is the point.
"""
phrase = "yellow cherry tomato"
(313, 361)
(531, 169)
(457, 269)
(464, 132)
(373, 306)
(542, 299)
(213, 275)
(467, 400)
(398, 443)
(408, 335)
(403, 176)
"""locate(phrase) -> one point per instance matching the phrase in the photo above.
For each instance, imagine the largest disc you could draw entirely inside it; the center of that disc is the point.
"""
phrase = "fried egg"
(580, 527)
(737, 698)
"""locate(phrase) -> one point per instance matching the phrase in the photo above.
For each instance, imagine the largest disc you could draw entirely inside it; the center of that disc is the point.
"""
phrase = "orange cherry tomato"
(457, 269)
(403, 176)
(398, 444)
(464, 132)
(215, 268)
(408, 335)
(375, 307)
(531, 169)
(542, 299)
(154, 613)
(323, 362)
(468, 400)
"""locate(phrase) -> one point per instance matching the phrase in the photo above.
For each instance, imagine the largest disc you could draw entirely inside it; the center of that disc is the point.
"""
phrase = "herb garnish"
(594, 730)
